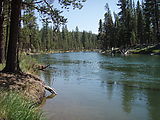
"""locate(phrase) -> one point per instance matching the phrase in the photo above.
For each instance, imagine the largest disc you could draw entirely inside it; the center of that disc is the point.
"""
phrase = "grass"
(14, 107)
(1, 66)
(156, 51)
(28, 64)
(146, 50)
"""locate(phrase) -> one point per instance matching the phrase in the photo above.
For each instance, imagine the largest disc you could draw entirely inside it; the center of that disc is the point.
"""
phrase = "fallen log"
(51, 90)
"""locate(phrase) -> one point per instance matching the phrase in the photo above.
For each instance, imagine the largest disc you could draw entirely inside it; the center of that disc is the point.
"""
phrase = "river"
(92, 86)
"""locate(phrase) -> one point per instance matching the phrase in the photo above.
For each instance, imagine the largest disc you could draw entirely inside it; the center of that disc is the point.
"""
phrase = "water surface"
(92, 86)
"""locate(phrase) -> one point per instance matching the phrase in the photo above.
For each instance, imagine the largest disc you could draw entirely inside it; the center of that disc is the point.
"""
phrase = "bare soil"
(28, 85)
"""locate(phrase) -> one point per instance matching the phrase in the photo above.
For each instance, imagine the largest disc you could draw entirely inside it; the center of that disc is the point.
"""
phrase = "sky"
(88, 17)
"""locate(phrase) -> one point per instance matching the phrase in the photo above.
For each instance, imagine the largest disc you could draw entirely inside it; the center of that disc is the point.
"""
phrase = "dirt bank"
(28, 85)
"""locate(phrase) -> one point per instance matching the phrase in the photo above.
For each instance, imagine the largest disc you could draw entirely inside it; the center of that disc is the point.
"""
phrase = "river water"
(92, 86)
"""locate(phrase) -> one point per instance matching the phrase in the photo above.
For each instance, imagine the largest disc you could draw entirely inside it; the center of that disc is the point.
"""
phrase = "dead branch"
(51, 90)
(43, 67)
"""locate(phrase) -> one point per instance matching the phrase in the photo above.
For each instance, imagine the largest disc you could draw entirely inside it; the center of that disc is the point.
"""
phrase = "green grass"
(14, 107)
(1, 66)
(146, 50)
(28, 63)
(156, 51)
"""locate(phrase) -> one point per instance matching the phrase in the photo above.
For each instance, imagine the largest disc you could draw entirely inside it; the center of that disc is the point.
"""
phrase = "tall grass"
(28, 63)
(1, 66)
(14, 107)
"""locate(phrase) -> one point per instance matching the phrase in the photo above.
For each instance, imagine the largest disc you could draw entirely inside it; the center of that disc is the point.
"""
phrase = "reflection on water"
(92, 86)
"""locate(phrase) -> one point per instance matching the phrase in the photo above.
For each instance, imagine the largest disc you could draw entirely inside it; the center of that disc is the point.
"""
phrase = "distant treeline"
(53, 35)
(19, 30)
(47, 39)
(52, 38)
(135, 24)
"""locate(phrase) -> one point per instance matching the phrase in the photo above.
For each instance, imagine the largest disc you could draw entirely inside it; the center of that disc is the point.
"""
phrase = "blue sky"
(88, 17)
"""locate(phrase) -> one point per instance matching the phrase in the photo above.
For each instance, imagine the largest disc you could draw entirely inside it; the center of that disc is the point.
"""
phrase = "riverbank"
(137, 49)
(20, 93)
(28, 85)
(27, 81)
(58, 51)
(144, 49)
(25, 84)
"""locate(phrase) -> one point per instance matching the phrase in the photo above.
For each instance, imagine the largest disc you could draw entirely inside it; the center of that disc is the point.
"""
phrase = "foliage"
(28, 64)
(1, 66)
(133, 25)
(147, 50)
(14, 107)
(47, 12)
(48, 40)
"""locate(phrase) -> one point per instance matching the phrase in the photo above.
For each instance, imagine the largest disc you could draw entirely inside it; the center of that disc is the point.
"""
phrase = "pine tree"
(29, 30)
(100, 33)
(155, 19)
(11, 62)
(65, 37)
(124, 21)
(84, 39)
(116, 31)
(108, 29)
(140, 24)
(77, 38)
(45, 37)
(147, 14)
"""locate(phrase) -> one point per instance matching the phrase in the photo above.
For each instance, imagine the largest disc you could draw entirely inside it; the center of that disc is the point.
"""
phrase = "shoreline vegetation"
(58, 51)
(14, 106)
(26, 86)
(138, 49)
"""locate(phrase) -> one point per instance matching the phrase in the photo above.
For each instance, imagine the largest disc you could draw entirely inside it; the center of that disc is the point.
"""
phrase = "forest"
(89, 84)
(54, 34)
(135, 24)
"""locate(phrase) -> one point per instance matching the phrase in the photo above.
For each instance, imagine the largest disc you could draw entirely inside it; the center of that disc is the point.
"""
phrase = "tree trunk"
(7, 29)
(11, 62)
(1, 31)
